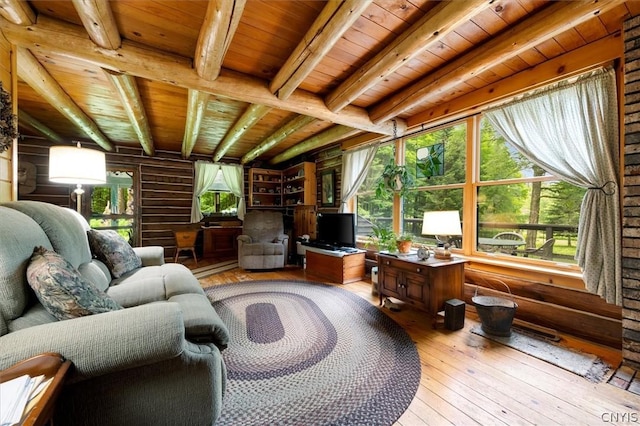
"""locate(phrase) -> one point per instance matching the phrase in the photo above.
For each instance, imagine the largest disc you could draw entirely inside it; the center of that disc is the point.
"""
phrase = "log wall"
(631, 197)
(565, 310)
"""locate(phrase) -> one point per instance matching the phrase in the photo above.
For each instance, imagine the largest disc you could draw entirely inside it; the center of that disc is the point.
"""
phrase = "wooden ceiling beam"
(320, 140)
(219, 26)
(571, 63)
(27, 120)
(277, 137)
(97, 18)
(549, 22)
(334, 20)
(17, 11)
(51, 36)
(36, 76)
(251, 116)
(429, 30)
(127, 89)
(217, 30)
(196, 108)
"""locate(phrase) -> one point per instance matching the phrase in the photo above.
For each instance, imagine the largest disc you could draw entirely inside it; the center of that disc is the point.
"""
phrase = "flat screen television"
(337, 229)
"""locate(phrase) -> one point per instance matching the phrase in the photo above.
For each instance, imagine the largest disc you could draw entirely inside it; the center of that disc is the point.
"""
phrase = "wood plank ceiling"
(268, 80)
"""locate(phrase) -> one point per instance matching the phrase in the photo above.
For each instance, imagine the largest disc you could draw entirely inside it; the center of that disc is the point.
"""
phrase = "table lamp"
(442, 223)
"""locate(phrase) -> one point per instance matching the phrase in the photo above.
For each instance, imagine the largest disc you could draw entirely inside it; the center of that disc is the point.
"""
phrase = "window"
(517, 197)
(113, 204)
(372, 210)
(218, 199)
(519, 212)
(437, 161)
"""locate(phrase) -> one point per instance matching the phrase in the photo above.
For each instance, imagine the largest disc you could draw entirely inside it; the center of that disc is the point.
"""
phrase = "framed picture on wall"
(327, 184)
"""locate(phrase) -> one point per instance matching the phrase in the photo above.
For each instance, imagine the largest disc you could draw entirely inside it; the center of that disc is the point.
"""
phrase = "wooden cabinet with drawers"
(426, 284)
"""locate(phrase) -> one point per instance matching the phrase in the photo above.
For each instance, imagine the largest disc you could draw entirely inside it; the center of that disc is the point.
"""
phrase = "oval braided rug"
(304, 353)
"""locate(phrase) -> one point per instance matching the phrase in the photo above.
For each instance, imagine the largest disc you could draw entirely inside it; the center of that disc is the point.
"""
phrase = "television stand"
(334, 265)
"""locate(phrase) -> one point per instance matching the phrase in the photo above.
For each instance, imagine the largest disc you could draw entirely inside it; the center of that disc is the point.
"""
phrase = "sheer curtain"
(205, 174)
(355, 165)
(570, 130)
(233, 175)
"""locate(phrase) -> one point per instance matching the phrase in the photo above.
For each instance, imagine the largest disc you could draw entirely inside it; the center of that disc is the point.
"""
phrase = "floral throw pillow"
(61, 289)
(109, 247)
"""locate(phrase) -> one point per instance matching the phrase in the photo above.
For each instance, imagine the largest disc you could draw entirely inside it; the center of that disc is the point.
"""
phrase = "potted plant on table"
(382, 237)
(387, 240)
(403, 243)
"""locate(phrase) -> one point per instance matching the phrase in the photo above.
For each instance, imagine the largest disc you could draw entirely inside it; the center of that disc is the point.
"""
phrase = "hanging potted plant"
(8, 130)
(394, 178)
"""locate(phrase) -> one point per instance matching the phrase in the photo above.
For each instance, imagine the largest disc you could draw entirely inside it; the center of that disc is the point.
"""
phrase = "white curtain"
(570, 130)
(233, 175)
(355, 166)
(205, 174)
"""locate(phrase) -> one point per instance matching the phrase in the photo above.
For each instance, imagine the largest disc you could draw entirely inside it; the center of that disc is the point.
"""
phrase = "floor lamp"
(77, 165)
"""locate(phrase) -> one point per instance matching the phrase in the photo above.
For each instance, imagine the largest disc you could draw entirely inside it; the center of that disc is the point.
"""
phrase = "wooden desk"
(49, 364)
(220, 241)
(426, 284)
(335, 267)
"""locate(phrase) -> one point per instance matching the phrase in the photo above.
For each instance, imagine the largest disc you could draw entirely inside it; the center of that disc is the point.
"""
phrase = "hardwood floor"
(467, 379)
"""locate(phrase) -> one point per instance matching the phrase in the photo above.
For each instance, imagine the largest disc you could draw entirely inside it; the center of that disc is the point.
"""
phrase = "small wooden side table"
(49, 364)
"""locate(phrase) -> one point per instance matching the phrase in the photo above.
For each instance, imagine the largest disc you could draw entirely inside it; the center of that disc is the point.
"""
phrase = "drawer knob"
(418, 269)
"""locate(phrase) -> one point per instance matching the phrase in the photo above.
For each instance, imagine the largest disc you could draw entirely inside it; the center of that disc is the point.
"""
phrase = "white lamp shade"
(76, 165)
(441, 223)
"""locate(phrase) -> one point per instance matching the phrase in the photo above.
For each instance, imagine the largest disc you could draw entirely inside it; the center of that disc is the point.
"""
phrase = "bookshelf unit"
(291, 187)
(265, 188)
(299, 184)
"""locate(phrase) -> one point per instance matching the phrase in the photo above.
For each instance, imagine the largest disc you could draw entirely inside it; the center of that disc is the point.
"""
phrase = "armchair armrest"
(283, 237)
(244, 238)
(103, 343)
(151, 255)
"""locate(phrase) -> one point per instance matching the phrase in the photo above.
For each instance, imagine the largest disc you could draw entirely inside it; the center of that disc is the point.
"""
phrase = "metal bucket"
(496, 313)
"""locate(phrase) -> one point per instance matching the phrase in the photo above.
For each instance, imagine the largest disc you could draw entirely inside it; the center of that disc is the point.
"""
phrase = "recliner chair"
(263, 243)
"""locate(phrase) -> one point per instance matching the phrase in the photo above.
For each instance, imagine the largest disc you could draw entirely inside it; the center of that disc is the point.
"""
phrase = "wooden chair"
(186, 241)
(545, 250)
(513, 236)
(455, 242)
